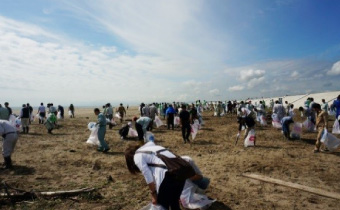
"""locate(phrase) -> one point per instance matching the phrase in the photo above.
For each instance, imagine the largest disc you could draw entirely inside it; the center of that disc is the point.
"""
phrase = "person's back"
(146, 111)
(153, 111)
(4, 113)
(184, 116)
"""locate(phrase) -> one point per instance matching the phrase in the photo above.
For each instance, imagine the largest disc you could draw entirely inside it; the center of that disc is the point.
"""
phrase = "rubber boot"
(8, 162)
(24, 130)
(27, 129)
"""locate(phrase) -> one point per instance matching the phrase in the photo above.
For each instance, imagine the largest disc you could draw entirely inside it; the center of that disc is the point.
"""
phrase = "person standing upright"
(71, 110)
(4, 113)
(153, 113)
(321, 124)
(42, 113)
(25, 118)
(122, 112)
(9, 108)
(101, 131)
(184, 117)
(170, 113)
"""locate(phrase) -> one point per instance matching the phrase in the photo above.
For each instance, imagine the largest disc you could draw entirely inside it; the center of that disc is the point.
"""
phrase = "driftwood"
(294, 185)
(21, 194)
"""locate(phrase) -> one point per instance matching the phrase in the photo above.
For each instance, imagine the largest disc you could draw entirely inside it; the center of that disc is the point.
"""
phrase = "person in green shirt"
(4, 113)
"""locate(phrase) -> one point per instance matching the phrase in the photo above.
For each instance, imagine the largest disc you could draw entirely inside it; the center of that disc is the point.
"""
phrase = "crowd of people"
(156, 163)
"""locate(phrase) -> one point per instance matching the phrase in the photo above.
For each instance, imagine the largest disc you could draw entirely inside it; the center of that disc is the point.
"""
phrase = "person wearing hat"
(10, 137)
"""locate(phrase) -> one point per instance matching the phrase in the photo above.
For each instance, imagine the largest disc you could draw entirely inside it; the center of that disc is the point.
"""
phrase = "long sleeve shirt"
(6, 127)
(101, 120)
(151, 174)
(144, 122)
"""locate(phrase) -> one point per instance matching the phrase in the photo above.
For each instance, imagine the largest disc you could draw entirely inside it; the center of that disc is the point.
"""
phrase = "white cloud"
(335, 69)
(255, 82)
(236, 88)
(215, 92)
(295, 74)
(247, 75)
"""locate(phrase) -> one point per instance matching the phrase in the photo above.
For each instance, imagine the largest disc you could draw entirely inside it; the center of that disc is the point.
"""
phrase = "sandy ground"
(63, 161)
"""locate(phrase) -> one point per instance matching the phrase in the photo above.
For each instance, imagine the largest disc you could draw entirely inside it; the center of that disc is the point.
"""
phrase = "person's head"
(292, 106)
(24, 105)
(286, 102)
(277, 102)
(121, 104)
(6, 104)
(170, 105)
(184, 107)
(311, 99)
(316, 107)
(323, 101)
(134, 118)
(96, 111)
(301, 109)
(338, 97)
(41, 104)
(242, 102)
(129, 157)
(28, 104)
(261, 102)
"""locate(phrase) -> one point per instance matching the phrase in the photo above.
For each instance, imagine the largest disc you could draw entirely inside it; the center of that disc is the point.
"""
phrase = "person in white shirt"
(42, 113)
(279, 110)
(165, 189)
(10, 137)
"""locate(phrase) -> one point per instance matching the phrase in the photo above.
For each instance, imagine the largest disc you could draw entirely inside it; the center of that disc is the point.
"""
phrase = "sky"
(94, 52)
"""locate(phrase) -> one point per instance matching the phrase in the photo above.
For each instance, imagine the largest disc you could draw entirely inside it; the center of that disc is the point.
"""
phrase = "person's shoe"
(24, 130)
(316, 151)
(8, 162)
(188, 141)
(27, 129)
(105, 150)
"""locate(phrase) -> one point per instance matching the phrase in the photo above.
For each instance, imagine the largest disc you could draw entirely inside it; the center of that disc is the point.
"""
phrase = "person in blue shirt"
(101, 131)
(170, 113)
(286, 121)
(336, 106)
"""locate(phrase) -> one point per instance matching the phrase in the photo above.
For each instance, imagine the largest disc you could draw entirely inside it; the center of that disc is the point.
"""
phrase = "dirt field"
(63, 161)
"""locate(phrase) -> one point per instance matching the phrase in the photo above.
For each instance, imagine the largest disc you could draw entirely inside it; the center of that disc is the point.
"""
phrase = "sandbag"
(250, 139)
(330, 141)
(192, 200)
(336, 127)
(93, 139)
(132, 132)
(158, 121)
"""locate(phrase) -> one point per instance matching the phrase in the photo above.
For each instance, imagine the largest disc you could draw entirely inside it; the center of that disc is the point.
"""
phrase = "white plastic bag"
(192, 200)
(158, 121)
(176, 121)
(18, 123)
(263, 120)
(309, 125)
(250, 139)
(336, 127)
(93, 139)
(150, 206)
(194, 129)
(330, 141)
(297, 130)
(12, 119)
(117, 115)
(91, 126)
(70, 113)
(59, 115)
(132, 132)
(149, 137)
(276, 123)
(331, 112)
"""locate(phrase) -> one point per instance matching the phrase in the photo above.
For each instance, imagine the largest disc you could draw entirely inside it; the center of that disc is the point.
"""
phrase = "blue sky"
(94, 52)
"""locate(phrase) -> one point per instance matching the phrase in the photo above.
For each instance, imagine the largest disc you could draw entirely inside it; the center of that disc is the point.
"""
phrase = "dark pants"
(285, 128)
(140, 132)
(186, 130)
(170, 121)
(170, 192)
